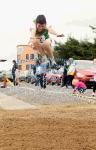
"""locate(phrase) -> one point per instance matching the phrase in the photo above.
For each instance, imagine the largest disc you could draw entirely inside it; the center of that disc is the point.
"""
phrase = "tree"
(76, 49)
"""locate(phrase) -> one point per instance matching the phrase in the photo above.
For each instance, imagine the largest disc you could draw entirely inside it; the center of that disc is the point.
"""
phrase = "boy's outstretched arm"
(52, 31)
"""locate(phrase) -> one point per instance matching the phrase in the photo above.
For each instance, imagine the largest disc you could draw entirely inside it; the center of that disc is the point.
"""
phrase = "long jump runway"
(12, 103)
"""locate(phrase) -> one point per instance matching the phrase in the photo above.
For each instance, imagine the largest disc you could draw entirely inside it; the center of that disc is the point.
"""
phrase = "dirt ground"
(49, 127)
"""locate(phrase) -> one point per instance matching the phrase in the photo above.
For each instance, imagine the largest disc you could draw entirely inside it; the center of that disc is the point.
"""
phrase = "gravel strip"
(51, 95)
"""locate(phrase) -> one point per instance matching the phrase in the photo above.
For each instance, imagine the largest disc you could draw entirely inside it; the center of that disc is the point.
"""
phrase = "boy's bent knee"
(46, 44)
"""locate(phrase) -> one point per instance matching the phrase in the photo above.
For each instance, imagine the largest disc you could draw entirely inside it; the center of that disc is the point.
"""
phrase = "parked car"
(31, 79)
(1, 75)
(22, 75)
(9, 75)
(54, 77)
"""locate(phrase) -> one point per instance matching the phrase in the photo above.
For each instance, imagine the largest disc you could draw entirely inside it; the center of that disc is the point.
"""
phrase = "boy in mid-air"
(40, 39)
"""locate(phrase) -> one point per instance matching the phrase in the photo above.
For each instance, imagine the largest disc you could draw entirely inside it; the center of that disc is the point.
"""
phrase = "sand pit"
(50, 127)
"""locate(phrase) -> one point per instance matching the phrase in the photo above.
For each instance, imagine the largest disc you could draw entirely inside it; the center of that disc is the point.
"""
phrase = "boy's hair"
(41, 19)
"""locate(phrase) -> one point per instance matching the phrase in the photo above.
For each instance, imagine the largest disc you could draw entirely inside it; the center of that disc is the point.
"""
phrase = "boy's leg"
(46, 45)
(45, 48)
(49, 50)
(38, 47)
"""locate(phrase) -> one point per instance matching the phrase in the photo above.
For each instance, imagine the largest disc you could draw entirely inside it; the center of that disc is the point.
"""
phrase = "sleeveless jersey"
(43, 33)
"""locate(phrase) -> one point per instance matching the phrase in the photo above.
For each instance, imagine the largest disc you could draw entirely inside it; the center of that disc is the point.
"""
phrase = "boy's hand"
(60, 35)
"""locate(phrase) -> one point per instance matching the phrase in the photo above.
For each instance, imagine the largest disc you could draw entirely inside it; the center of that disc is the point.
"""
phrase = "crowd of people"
(68, 76)
(40, 72)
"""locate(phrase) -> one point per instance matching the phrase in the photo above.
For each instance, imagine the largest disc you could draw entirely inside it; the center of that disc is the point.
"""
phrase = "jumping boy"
(40, 39)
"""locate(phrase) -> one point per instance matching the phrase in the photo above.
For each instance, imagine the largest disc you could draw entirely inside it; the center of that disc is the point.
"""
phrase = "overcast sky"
(70, 17)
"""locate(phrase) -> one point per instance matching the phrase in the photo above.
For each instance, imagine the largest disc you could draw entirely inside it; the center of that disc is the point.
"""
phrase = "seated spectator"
(5, 81)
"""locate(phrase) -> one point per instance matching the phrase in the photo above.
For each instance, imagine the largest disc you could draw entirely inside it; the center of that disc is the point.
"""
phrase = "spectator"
(14, 70)
(17, 76)
(34, 69)
(70, 73)
(94, 61)
(64, 81)
(70, 61)
(94, 86)
(79, 86)
(5, 81)
(39, 78)
(41, 74)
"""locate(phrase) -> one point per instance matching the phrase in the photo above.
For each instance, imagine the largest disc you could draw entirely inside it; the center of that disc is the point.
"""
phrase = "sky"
(70, 17)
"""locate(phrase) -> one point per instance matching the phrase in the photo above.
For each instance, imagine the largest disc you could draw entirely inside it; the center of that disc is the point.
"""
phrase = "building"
(25, 57)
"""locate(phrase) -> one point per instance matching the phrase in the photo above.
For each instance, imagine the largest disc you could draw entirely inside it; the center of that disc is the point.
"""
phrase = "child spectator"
(5, 81)
(79, 86)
